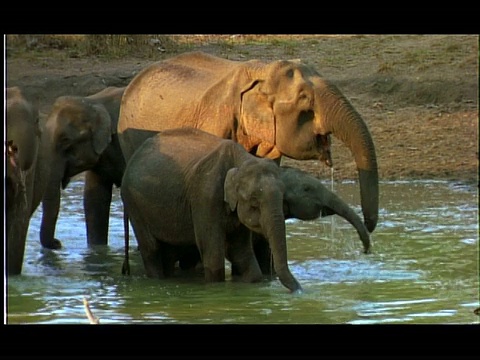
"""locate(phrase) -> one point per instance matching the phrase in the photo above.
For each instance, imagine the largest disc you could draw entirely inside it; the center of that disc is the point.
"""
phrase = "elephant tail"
(126, 264)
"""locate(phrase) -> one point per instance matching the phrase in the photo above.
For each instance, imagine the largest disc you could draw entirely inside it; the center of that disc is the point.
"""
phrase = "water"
(423, 269)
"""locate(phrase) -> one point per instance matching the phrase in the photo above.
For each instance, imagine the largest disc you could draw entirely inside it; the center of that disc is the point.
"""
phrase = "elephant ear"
(257, 114)
(102, 129)
(230, 188)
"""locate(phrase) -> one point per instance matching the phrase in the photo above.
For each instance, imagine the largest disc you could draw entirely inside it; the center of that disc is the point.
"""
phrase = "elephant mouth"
(323, 148)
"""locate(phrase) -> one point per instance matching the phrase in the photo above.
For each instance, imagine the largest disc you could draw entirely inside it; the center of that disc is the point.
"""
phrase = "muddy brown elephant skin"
(187, 187)
(21, 158)
(82, 132)
(271, 108)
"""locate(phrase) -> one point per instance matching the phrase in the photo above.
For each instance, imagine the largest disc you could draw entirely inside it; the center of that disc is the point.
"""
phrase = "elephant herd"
(194, 142)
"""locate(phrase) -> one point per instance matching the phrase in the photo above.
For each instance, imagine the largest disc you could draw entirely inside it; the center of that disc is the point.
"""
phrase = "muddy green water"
(424, 269)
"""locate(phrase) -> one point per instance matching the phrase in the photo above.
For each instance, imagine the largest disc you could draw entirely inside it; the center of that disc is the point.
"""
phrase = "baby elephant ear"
(230, 188)
(102, 129)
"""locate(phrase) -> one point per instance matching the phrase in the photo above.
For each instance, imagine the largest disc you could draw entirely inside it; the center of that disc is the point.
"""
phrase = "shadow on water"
(423, 269)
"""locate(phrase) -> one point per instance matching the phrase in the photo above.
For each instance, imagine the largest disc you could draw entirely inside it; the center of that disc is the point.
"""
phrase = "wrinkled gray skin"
(273, 109)
(82, 133)
(305, 198)
(79, 134)
(23, 138)
(186, 187)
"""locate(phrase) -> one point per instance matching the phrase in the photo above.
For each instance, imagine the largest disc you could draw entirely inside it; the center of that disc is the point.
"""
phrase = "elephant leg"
(240, 253)
(150, 249)
(263, 253)
(97, 197)
(18, 219)
(213, 258)
(50, 207)
(210, 240)
(152, 261)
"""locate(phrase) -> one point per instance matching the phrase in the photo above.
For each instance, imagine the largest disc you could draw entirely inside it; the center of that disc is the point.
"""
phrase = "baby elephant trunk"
(273, 226)
(343, 210)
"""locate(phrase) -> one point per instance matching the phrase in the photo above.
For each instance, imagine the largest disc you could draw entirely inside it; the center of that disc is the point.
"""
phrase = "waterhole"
(423, 269)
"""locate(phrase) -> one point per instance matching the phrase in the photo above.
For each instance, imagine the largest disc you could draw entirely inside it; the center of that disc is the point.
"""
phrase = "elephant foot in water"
(55, 244)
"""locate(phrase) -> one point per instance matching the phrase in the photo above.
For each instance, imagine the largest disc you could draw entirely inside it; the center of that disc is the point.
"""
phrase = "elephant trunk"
(273, 226)
(345, 123)
(342, 209)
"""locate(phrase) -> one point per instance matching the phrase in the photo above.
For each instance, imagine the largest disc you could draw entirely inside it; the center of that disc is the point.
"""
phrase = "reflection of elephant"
(272, 109)
(82, 131)
(21, 155)
(187, 187)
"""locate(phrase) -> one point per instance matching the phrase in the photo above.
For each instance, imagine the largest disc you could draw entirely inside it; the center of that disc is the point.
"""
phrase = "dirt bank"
(418, 94)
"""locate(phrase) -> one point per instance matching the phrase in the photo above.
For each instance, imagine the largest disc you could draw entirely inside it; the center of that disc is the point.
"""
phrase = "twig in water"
(91, 318)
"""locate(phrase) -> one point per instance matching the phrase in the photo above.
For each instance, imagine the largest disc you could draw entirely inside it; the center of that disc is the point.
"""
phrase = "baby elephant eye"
(254, 203)
(306, 188)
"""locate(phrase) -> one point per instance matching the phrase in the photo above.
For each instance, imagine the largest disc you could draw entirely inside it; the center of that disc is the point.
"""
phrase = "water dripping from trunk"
(332, 218)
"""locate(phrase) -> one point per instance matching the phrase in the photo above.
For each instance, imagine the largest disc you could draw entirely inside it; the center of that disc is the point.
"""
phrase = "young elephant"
(306, 198)
(187, 187)
(82, 132)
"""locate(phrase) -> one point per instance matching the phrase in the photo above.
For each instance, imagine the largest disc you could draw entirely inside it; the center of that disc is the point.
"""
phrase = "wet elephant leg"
(240, 253)
(50, 207)
(96, 202)
(152, 261)
(17, 218)
(150, 249)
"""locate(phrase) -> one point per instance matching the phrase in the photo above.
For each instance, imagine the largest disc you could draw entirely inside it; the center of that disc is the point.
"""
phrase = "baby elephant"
(187, 187)
(306, 198)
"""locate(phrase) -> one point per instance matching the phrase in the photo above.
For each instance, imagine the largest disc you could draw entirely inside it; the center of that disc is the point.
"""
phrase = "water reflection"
(423, 269)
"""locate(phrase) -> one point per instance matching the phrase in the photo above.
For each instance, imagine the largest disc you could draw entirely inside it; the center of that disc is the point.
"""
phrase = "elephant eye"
(254, 202)
(306, 188)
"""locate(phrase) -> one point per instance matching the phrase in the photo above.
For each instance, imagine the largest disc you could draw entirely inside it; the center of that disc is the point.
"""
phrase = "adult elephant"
(187, 187)
(21, 157)
(271, 108)
(82, 134)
